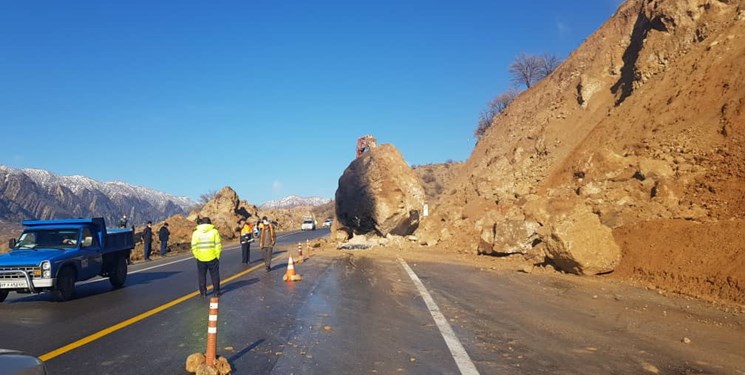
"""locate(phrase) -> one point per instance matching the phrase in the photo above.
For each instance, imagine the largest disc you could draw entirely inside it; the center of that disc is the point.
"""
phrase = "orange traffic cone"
(290, 275)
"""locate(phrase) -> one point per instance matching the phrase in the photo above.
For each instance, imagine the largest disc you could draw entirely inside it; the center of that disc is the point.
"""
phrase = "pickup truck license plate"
(13, 284)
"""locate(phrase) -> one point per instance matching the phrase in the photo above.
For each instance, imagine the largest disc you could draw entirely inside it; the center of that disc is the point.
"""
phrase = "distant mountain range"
(39, 194)
(293, 201)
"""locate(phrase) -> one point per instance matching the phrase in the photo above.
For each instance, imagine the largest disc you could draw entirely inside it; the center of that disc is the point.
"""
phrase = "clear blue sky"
(268, 97)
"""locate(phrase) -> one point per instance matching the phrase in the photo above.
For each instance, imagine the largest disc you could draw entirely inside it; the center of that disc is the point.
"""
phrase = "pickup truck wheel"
(118, 274)
(65, 286)
(3, 295)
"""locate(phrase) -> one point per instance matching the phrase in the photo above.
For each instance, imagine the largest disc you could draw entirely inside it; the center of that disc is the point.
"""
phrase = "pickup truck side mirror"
(12, 243)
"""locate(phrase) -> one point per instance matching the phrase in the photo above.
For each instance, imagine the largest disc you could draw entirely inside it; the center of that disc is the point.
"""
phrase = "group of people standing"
(267, 240)
(147, 239)
(206, 246)
(263, 231)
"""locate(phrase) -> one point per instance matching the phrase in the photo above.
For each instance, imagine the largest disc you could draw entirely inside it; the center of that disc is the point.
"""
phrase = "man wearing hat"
(206, 245)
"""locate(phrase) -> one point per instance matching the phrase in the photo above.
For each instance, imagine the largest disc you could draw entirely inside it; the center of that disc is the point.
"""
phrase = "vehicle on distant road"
(308, 224)
(52, 255)
(13, 362)
(327, 223)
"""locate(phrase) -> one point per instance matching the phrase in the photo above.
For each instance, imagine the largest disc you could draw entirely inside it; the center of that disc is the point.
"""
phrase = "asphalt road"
(355, 312)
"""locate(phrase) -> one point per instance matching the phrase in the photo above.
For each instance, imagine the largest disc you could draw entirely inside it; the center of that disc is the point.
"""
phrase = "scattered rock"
(342, 234)
(194, 361)
(586, 88)
(353, 246)
(526, 268)
(223, 366)
(203, 369)
(685, 340)
(580, 244)
(197, 363)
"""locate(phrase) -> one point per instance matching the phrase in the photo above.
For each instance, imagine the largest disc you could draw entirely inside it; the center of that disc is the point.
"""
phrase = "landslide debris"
(639, 130)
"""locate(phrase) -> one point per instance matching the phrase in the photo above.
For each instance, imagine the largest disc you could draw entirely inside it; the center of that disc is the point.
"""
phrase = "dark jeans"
(246, 252)
(148, 249)
(163, 248)
(214, 267)
(267, 257)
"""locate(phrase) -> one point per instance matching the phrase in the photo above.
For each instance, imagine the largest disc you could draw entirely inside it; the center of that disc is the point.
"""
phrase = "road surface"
(374, 312)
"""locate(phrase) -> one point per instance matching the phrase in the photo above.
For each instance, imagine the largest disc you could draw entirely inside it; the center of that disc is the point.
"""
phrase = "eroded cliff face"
(642, 123)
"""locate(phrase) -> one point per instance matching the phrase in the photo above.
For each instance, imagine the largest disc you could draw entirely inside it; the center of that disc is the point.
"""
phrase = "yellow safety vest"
(206, 244)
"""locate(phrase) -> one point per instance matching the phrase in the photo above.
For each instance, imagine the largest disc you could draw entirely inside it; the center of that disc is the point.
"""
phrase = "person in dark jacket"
(163, 235)
(267, 240)
(147, 239)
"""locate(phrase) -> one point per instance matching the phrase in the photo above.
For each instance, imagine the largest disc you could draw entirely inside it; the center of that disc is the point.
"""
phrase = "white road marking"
(166, 264)
(138, 271)
(465, 365)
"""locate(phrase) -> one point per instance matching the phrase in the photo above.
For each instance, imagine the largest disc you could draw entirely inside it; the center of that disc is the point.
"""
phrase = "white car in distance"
(308, 224)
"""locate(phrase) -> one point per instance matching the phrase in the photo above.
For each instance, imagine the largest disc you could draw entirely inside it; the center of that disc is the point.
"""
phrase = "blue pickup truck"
(52, 255)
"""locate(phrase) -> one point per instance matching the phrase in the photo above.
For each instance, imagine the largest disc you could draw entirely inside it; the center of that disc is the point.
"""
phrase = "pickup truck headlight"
(46, 269)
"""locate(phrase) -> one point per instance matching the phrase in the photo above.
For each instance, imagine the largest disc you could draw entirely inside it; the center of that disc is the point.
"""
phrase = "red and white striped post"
(211, 354)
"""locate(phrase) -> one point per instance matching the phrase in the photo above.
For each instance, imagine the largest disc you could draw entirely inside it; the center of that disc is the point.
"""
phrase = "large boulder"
(579, 243)
(225, 209)
(379, 193)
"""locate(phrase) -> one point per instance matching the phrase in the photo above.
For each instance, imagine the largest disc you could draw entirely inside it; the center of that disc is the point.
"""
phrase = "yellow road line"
(106, 331)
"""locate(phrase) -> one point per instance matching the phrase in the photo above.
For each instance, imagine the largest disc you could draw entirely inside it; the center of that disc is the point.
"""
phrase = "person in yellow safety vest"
(246, 238)
(267, 239)
(206, 245)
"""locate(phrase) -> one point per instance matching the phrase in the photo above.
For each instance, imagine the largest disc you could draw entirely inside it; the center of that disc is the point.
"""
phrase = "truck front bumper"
(22, 280)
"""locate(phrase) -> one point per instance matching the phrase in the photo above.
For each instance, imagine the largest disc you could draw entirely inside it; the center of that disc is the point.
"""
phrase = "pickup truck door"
(91, 255)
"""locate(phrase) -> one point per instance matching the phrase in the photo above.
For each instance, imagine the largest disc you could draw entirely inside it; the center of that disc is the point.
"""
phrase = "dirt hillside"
(436, 176)
(642, 126)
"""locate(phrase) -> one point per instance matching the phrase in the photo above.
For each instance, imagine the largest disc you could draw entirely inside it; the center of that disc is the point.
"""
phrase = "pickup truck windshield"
(48, 239)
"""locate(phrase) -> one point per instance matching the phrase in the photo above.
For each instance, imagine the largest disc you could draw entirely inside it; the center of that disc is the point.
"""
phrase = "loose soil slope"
(643, 126)
(435, 177)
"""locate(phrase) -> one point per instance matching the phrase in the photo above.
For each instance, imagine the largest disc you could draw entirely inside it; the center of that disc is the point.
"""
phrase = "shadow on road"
(238, 284)
(245, 351)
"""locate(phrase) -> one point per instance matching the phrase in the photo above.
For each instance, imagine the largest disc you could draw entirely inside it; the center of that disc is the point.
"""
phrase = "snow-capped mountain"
(39, 194)
(295, 201)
